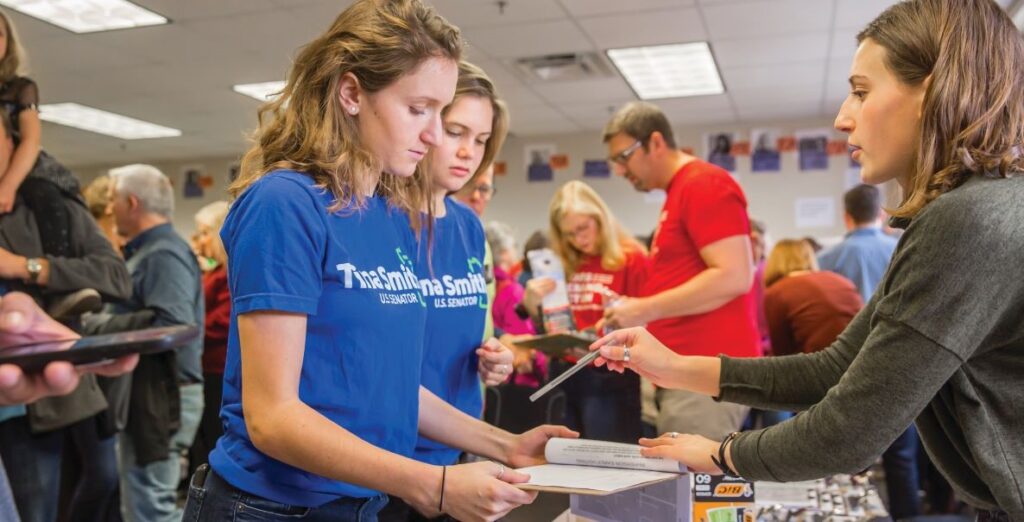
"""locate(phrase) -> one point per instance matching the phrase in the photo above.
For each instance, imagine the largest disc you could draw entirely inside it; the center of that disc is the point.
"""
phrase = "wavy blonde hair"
(306, 128)
(614, 242)
(10, 63)
(973, 110)
(788, 256)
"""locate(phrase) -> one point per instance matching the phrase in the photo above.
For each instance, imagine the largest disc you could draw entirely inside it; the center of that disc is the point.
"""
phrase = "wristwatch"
(34, 266)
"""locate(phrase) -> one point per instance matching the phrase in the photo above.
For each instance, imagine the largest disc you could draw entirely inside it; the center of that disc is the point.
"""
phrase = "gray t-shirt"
(941, 343)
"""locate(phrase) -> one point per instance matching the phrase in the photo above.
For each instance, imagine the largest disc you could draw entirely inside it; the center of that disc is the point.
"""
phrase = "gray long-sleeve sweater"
(941, 344)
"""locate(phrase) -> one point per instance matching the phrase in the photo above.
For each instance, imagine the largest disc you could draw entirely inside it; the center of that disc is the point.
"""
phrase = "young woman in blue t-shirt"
(322, 397)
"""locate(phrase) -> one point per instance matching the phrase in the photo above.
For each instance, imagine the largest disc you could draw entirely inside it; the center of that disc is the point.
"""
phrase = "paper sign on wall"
(815, 212)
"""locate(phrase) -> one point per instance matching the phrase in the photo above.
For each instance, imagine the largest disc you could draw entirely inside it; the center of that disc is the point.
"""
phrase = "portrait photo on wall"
(718, 148)
(193, 187)
(812, 149)
(538, 162)
(764, 154)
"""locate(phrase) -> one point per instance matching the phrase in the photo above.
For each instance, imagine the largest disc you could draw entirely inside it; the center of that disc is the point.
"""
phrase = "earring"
(353, 110)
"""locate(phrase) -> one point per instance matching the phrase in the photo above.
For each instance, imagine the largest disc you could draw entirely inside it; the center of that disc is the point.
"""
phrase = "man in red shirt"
(699, 287)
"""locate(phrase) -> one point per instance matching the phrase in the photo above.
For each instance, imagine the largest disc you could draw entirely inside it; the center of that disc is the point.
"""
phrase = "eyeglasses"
(485, 190)
(579, 230)
(623, 157)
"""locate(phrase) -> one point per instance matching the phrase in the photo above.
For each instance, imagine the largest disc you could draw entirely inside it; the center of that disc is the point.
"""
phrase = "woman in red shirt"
(213, 260)
(806, 308)
(602, 262)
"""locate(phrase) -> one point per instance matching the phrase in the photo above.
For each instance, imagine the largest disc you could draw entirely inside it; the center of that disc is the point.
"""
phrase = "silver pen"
(582, 363)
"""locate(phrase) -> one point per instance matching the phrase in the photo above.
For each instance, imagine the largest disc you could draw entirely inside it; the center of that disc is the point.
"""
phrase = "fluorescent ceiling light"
(669, 71)
(103, 122)
(263, 91)
(87, 16)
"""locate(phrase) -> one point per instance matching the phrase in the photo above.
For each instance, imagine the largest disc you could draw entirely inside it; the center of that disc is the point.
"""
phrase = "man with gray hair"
(166, 398)
(699, 289)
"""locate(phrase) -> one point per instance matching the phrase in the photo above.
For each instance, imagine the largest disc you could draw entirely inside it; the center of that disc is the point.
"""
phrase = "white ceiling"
(779, 59)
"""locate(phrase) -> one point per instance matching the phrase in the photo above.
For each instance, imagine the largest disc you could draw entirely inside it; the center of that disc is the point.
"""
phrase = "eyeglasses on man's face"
(623, 156)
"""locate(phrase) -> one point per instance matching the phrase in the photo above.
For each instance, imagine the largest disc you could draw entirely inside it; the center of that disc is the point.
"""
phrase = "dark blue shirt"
(861, 257)
(455, 289)
(351, 273)
(166, 279)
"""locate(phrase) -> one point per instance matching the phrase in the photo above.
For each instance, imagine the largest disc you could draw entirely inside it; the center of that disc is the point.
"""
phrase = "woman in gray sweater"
(936, 103)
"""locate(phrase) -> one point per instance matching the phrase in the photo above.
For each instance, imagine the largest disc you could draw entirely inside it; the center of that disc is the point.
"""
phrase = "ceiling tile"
(856, 14)
(614, 89)
(659, 27)
(584, 8)
(537, 39)
(469, 14)
(767, 18)
(771, 50)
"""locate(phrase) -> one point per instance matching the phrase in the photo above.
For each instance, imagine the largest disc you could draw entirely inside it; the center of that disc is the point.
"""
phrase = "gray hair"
(148, 184)
(499, 237)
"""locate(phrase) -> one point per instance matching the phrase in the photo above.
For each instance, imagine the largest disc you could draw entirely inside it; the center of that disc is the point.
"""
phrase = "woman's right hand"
(647, 356)
(483, 491)
(536, 289)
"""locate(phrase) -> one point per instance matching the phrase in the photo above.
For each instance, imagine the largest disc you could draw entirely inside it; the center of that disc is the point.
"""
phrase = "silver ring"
(500, 472)
(673, 434)
(625, 355)
(505, 368)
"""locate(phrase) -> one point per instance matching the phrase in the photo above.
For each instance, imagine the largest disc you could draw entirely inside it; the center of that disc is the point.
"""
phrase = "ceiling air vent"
(564, 67)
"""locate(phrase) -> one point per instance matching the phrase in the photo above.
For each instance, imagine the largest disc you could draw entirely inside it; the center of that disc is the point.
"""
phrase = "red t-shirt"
(703, 205)
(585, 285)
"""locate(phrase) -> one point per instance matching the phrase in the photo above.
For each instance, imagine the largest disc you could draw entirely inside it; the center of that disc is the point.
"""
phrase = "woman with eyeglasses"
(602, 263)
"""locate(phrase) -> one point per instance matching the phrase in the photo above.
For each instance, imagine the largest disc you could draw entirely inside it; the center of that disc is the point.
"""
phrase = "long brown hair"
(614, 241)
(10, 63)
(306, 128)
(973, 111)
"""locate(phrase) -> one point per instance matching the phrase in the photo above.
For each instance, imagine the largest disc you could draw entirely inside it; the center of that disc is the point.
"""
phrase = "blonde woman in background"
(806, 308)
(602, 262)
(213, 260)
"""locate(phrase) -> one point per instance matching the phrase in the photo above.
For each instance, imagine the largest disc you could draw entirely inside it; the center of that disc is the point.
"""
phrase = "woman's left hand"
(693, 451)
(495, 362)
(527, 448)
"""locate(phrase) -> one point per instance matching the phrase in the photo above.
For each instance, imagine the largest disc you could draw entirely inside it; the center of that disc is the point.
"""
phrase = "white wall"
(771, 196)
(184, 208)
(524, 205)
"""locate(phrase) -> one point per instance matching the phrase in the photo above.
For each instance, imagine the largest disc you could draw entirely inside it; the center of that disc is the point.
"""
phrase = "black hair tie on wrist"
(440, 504)
(722, 464)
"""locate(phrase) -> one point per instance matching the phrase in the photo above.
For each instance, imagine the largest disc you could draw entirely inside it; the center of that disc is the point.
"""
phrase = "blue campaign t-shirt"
(455, 289)
(352, 274)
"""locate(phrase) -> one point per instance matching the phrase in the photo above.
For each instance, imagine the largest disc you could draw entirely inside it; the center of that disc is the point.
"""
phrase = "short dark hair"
(639, 120)
(863, 203)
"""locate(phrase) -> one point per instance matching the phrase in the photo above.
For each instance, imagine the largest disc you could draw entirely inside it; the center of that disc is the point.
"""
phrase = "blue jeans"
(212, 499)
(149, 493)
(33, 466)
(901, 478)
